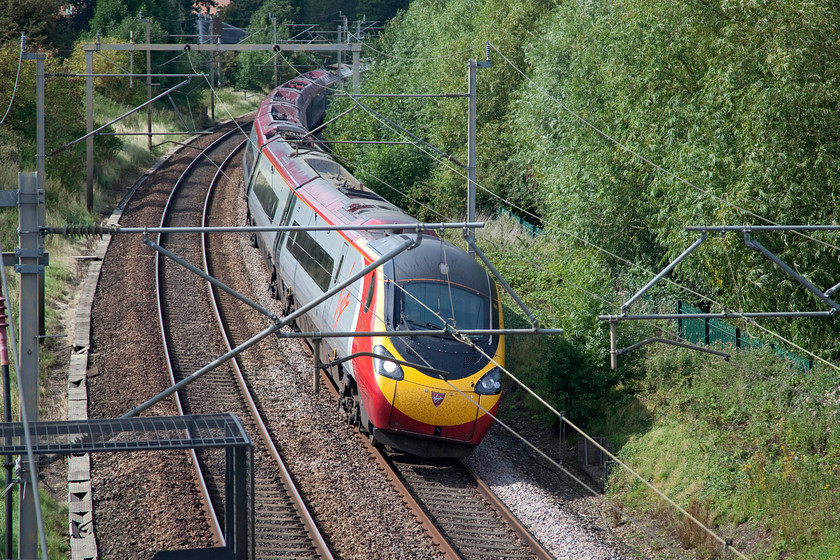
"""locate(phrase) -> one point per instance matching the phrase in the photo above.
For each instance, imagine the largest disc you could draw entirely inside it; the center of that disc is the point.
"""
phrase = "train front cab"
(413, 410)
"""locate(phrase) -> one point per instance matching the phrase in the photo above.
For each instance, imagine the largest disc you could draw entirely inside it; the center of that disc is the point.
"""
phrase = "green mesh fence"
(711, 331)
(532, 230)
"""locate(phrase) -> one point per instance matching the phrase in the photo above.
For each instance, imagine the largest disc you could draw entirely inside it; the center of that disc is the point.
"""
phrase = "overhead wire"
(522, 438)
(703, 297)
(358, 298)
(591, 294)
(17, 80)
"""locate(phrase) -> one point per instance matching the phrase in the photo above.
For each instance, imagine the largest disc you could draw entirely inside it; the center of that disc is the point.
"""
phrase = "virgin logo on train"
(437, 398)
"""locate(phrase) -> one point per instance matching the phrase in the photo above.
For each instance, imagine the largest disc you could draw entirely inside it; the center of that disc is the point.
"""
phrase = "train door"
(297, 250)
(285, 265)
(264, 199)
(339, 304)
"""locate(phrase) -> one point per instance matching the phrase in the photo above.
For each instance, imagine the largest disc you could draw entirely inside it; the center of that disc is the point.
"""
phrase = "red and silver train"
(430, 287)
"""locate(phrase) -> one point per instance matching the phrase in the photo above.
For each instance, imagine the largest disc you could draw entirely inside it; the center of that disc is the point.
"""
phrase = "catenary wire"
(703, 297)
(465, 340)
(580, 431)
(17, 80)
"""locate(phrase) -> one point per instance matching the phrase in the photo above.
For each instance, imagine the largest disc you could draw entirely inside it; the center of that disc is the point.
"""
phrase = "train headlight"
(386, 367)
(490, 383)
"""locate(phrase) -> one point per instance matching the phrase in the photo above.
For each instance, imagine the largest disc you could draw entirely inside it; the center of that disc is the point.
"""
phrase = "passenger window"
(287, 211)
(265, 194)
(314, 259)
(369, 297)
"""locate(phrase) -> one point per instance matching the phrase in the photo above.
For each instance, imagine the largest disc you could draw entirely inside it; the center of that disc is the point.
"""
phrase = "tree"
(238, 13)
(36, 18)
(736, 101)
(255, 70)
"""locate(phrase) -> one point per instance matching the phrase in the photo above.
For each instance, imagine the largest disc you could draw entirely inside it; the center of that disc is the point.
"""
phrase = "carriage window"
(251, 153)
(265, 194)
(369, 297)
(314, 259)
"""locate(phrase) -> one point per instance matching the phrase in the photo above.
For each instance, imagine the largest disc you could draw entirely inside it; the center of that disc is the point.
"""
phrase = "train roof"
(316, 177)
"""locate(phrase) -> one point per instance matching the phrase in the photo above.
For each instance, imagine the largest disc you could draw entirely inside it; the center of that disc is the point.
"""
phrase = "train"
(424, 394)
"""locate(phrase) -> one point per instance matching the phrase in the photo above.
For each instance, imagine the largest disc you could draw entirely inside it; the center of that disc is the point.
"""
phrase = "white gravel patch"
(562, 531)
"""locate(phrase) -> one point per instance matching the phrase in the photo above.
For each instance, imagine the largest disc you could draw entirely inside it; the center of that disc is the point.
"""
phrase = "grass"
(752, 450)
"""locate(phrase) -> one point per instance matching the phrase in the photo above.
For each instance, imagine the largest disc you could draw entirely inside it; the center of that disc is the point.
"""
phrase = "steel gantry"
(746, 231)
(339, 47)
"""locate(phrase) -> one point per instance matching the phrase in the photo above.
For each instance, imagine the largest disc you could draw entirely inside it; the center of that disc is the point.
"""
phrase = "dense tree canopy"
(618, 124)
(36, 18)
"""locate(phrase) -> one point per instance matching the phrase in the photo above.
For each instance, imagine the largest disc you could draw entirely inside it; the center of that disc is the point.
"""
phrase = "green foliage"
(759, 443)
(118, 17)
(64, 118)
(323, 12)
(427, 53)
(735, 98)
(55, 523)
(36, 18)
(256, 69)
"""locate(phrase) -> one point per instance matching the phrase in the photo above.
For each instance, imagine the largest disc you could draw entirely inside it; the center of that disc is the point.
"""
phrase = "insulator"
(86, 230)
(3, 317)
(487, 50)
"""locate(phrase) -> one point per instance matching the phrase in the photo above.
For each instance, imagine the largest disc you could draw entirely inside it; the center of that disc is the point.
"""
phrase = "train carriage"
(434, 409)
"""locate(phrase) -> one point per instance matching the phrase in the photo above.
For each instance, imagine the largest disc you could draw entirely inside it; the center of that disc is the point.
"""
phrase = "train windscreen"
(427, 305)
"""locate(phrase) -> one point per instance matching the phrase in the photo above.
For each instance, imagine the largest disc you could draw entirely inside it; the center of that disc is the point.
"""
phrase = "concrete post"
(316, 358)
(41, 156)
(212, 77)
(338, 42)
(274, 38)
(149, 78)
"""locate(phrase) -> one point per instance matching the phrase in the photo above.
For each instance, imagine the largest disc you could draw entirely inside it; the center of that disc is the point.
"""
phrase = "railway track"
(460, 513)
(282, 527)
(463, 518)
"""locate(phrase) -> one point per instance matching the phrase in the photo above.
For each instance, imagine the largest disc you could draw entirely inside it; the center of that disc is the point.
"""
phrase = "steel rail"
(423, 519)
(533, 543)
(215, 527)
(300, 506)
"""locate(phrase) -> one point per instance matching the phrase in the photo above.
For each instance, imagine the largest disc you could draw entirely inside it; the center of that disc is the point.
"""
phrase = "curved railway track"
(282, 526)
(462, 516)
